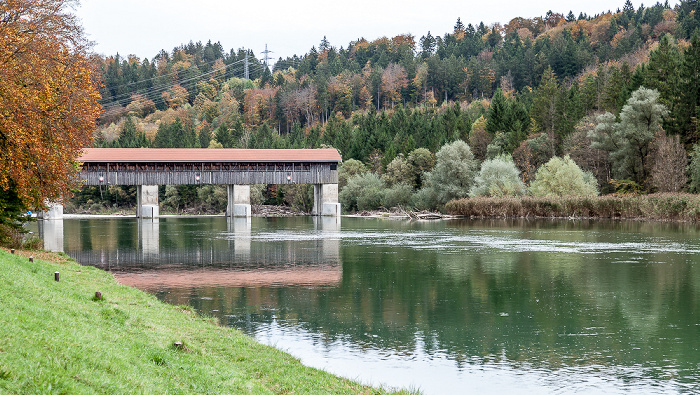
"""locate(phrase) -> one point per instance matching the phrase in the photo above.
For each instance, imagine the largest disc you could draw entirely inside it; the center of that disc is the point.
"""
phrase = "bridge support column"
(238, 201)
(326, 200)
(147, 201)
(54, 211)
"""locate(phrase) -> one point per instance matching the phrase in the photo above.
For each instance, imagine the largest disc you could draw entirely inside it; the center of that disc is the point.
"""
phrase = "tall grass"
(666, 206)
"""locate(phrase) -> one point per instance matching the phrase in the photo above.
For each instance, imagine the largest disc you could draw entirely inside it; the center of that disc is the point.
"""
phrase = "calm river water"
(446, 307)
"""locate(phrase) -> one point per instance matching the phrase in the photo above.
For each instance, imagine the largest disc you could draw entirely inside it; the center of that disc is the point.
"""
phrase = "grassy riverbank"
(664, 207)
(58, 338)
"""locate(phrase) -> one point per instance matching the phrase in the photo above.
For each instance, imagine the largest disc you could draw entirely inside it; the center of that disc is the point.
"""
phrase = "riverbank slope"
(57, 336)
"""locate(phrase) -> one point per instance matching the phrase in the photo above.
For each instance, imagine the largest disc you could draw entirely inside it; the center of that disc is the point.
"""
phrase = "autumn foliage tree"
(393, 80)
(48, 99)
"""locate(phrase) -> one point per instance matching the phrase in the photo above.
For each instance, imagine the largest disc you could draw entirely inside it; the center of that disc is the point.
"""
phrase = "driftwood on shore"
(275, 211)
(400, 213)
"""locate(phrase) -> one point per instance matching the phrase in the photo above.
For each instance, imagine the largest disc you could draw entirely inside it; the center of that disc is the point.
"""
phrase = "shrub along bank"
(58, 337)
(668, 206)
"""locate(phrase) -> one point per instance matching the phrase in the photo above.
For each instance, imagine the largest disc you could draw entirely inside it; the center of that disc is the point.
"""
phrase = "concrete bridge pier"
(54, 211)
(238, 201)
(326, 200)
(147, 201)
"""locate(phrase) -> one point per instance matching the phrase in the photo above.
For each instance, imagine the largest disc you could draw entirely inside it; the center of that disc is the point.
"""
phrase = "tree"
(668, 172)
(578, 146)
(393, 81)
(663, 73)
(544, 105)
(399, 171)
(454, 172)
(694, 169)
(498, 177)
(628, 141)
(689, 109)
(422, 161)
(479, 138)
(349, 169)
(48, 99)
(563, 177)
(498, 113)
(129, 135)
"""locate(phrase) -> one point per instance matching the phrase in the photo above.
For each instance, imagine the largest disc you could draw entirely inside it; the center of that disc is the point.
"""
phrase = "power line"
(151, 92)
(156, 87)
(168, 74)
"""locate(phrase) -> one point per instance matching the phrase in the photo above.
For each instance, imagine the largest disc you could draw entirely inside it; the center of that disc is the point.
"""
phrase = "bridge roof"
(208, 155)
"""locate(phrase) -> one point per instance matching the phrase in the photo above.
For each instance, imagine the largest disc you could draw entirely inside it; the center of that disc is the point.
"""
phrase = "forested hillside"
(531, 89)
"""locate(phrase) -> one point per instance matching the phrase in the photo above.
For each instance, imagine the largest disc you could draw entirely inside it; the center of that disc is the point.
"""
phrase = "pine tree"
(544, 105)
(689, 109)
(498, 113)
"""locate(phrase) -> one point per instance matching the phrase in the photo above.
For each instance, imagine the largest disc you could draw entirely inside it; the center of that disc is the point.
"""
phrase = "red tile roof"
(208, 155)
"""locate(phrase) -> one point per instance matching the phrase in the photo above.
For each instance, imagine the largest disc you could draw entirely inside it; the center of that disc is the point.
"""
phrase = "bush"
(424, 199)
(363, 192)
(10, 237)
(498, 177)
(454, 172)
(563, 177)
(399, 195)
(626, 187)
(349, 169)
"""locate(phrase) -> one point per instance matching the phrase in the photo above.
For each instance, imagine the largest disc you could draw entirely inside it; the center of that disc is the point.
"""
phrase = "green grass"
(55, 337)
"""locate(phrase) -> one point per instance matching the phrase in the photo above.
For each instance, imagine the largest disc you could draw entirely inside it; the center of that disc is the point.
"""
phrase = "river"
(444, 307)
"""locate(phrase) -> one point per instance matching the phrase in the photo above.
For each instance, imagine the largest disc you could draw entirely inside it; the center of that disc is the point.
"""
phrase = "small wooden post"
(55, 276)
(31, 259)
(12, 251)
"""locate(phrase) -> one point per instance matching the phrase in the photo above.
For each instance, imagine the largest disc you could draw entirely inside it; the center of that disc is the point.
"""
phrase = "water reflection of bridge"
(236, 258)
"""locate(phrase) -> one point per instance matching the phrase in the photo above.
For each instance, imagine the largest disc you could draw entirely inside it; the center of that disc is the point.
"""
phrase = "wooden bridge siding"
(309, 174)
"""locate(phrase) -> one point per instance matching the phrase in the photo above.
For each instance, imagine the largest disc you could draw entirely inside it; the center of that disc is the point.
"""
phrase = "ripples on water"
(458, 307)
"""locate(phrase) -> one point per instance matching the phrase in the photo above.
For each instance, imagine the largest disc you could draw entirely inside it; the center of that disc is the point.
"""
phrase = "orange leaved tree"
(48, 99)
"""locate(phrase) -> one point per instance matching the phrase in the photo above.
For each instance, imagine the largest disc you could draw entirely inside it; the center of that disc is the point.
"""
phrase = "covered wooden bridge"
(237, 168)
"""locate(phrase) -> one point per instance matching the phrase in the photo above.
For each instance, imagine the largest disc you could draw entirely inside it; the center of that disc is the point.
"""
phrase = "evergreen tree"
(544, 105)
(128, 133)
(498, 113)
(689, 108)
(663, 73)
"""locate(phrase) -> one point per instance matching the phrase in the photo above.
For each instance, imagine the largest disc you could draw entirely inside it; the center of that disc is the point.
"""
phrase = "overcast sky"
(145, 27)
